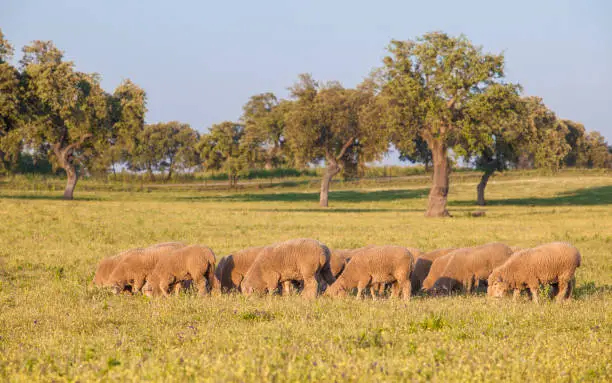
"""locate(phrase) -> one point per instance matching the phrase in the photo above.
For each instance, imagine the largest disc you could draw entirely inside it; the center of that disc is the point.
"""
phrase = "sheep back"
(302, 260)
(375, 265)
(192, 263)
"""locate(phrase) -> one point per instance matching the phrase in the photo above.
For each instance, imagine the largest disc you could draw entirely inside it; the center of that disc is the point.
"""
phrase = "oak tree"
(426, 86)
(66, 110)
(325, 121)
(222, 148)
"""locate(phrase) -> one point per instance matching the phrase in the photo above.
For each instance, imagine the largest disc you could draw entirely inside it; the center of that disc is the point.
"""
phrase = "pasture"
(54, 326)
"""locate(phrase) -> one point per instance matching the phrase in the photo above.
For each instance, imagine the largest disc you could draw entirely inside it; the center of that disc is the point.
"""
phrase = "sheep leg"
(164, 286)
(287, 288)
(570, 288)
(534, 288)
(177, 288)
(362, 285)
(137, 285)
(236, 282)
(469, 286)
(395, 289)
(271, 282)
(200, 284)
(406, 289)
(563, 288)
(516, 294)
(311, 287)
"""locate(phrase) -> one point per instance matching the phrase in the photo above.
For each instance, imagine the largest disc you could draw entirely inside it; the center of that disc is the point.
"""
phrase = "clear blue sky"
(200, 61)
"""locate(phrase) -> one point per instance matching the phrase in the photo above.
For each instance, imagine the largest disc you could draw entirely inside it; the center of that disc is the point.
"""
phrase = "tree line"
(434, 98)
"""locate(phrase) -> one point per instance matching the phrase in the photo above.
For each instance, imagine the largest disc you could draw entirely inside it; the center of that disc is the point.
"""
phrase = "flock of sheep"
(309, 266)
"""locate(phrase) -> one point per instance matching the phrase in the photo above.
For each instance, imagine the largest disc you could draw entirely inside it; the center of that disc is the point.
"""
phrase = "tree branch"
(75, 145)
(345, 148)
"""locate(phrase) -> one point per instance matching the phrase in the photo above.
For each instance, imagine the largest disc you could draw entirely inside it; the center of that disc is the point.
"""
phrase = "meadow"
(54, 326)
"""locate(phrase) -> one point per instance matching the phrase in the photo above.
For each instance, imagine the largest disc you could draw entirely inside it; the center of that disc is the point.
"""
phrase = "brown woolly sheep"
(136, 265)
(236, 266)
(303, 260)
(192, 263)
(107, 265)
(423, 264)
(546, 264)
(435, 271)
(379, 288)
(376, 264)
(105, 268)
(468, 266)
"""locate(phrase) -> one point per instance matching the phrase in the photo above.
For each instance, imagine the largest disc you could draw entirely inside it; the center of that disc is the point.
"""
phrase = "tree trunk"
(332, 170)
(524, 162)
(73, 177)
(269, 162)
(482, 185)
(439, 190)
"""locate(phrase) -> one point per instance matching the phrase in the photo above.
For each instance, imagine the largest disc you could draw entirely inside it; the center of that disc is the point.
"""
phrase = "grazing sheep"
(192, 263)
(236, 266)
(107, 265)
(376, 264)
(435, 271)
(136, 265)
(552, 263)
(379, 288)
(105, 268)
(468, 266)
(423, 264)
(303, 260)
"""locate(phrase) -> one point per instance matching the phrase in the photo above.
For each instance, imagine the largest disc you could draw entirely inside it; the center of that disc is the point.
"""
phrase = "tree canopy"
(10, 107)
(165, 147)
(222, 149)
(325, 121)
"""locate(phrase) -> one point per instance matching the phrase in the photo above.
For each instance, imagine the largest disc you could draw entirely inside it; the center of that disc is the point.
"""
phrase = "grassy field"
(55, 327)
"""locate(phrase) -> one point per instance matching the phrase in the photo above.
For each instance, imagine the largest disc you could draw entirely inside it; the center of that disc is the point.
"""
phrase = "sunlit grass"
(55, 326)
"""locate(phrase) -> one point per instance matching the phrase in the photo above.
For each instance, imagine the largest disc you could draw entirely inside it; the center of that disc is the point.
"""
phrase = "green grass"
(55, 327)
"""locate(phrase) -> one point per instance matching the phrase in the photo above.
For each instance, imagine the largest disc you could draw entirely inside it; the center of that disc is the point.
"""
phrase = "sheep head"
(497, 287)
(336, 289)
